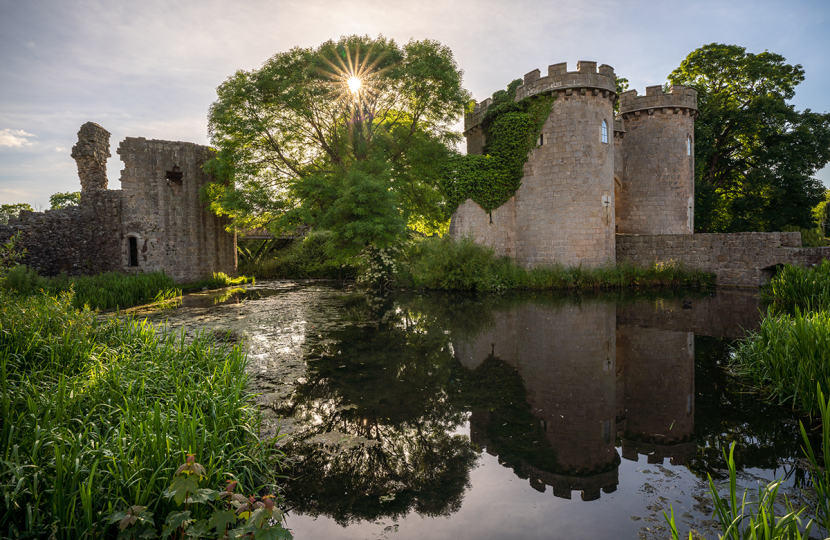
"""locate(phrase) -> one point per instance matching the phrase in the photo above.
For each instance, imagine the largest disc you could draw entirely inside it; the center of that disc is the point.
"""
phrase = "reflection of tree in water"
(765, 433)
(388, 383)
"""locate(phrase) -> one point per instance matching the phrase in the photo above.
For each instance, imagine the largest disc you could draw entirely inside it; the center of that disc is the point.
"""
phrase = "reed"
(800, 286)
(98, 413)
(788, 357)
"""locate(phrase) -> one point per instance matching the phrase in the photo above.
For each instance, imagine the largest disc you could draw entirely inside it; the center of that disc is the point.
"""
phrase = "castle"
(601, 188)
(156, 221)
(592, 175)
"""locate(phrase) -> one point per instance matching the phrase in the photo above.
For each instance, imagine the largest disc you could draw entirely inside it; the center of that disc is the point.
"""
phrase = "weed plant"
(449, 264)
(800, 286)
(97, 414)
(787, 357)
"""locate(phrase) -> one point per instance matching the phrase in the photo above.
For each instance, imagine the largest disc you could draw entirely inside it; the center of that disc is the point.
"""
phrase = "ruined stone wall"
(737, 259)
(163, 212)
(657, 195)
(564, 210)
(77, 240)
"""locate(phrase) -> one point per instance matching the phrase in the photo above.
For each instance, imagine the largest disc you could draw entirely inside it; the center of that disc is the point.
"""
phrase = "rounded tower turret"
(658, 186)
(563, 212)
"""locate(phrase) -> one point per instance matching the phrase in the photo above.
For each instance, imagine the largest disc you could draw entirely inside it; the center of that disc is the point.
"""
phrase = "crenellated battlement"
(586, 79)
(680, 100)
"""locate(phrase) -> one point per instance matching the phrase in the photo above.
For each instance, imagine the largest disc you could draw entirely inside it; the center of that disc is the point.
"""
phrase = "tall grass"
(97, 414)
(787, 357)
(110, 290)
(800, 286)
(463, 264)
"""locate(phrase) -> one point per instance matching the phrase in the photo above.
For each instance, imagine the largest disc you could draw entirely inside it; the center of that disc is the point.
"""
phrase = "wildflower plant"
(206, 513)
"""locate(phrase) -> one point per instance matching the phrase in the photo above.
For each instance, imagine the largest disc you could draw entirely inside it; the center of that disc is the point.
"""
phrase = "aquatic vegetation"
(219, 281)
(98, 413)
(807, 287)
(788, 357)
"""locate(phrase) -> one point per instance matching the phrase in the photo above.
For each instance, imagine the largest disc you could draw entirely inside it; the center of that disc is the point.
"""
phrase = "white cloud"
(14, 138)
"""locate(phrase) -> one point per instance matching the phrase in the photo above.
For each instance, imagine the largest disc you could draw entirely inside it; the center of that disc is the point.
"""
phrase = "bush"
(800, 286)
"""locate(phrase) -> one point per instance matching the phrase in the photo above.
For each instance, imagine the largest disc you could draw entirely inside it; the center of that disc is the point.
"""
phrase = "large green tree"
(348, 137)
(755, 154)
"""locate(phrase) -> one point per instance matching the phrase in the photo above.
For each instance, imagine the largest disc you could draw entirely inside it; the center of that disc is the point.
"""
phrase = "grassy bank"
(449, 264)
(97, 415)
(808, 288)
(111, 290)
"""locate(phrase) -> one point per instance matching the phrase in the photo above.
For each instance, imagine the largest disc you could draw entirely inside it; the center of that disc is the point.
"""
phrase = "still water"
(519, 416)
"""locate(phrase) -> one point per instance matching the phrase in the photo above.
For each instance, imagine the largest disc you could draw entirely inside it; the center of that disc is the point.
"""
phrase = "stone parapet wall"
(174, 231)
(680, 97)
(585, 80)
(78, 240)
(736, 259)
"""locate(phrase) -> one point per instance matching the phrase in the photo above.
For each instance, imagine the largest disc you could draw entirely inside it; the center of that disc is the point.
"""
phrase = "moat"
(524, 415)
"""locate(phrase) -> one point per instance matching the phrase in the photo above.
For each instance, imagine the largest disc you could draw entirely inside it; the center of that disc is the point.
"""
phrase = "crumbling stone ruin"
(155, 222)
(597, 181)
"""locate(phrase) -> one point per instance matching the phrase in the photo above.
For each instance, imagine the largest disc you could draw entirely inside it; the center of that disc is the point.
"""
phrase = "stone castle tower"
(591, 175)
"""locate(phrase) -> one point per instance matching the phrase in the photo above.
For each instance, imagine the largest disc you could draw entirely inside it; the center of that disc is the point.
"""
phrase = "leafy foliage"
(8, 211)
(63, 200)
(298, 147)
(511, 130)
(755, 154)
(11, 253)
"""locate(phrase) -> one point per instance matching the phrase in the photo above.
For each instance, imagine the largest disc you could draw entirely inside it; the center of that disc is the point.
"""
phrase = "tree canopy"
(62, 200)
(348, 136)
(755, 154)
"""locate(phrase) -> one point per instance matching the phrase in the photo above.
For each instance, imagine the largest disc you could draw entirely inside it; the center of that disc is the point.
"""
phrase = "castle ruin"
(601, 187)
(155, 222)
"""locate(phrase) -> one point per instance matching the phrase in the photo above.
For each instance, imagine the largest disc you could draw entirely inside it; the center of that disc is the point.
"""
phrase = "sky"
(150, 68)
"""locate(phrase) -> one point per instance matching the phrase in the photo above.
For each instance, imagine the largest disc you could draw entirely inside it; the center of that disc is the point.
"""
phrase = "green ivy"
(511, 129)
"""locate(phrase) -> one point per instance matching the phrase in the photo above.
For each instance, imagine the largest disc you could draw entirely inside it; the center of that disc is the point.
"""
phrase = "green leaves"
(511, 129)
(181, 487)
(297, 147)
(755, 155)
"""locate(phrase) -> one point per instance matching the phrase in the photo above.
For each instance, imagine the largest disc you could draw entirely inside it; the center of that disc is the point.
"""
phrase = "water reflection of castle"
(594, 372)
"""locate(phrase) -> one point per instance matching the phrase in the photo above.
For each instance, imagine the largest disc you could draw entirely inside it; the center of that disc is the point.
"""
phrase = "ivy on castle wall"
(511, 130)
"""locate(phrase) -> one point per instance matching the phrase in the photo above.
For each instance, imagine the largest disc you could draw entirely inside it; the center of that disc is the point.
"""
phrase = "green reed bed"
(463, 264)
(788, 357)
(110, 290)
(800, 286)
(97, 415)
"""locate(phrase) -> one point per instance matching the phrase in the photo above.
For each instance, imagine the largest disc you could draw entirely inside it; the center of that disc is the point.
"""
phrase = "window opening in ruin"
(133, 243)
(541, 139)
(689, 405)
(689, 146)
(491, 217)
(175, 175)
(606, 431)
(690, 215)
(604, 131)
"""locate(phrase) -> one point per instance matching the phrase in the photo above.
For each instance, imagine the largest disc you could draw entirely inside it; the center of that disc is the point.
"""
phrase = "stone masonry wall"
(77, 240)
(657, 195)
(563, 211)
(163, 211)
(737, 259)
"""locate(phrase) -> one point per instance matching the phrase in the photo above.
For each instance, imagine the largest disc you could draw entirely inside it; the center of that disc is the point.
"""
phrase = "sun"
(354, 84)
